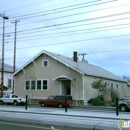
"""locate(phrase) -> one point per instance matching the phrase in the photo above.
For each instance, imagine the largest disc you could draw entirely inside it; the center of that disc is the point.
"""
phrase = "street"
(16, 125)
(35, 117)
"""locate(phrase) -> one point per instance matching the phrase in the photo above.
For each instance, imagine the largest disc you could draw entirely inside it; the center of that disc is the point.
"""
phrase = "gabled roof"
(7, 68)
(81, 67)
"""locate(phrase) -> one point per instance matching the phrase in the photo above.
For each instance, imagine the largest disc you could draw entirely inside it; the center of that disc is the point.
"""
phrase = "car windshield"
(14, 96)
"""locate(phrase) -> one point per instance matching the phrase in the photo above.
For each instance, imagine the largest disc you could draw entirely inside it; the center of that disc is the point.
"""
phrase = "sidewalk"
(70, 112)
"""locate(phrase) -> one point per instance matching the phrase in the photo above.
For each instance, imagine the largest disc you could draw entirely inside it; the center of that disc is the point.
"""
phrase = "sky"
(99, 28)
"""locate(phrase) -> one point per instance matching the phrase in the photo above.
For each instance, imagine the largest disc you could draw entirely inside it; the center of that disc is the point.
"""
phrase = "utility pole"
(15, 38)
(2, 64)
(83, 54)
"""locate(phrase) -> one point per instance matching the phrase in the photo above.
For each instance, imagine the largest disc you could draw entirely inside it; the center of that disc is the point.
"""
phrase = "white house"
(8, 77)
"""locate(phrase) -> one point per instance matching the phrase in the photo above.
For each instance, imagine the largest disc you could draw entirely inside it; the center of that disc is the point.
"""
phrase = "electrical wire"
(43, 12)
(73, 41)
(83, 31)
(61, 24)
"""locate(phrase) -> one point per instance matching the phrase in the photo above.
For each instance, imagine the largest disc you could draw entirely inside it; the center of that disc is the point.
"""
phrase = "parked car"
(56, 100)
(12, 99)
(124, 105)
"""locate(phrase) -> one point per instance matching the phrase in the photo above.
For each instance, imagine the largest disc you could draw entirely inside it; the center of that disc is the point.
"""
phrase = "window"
(14, 96)
(45, 63)
(111, 85)
(27, 86)
(117, 86)
(33, 83)
(50, 98)
(38, 84)
(105, 84)
(123, 87)
(9, 83)
(44, 84)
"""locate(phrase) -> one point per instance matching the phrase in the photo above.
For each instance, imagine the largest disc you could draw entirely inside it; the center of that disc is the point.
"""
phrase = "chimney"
(75, 56)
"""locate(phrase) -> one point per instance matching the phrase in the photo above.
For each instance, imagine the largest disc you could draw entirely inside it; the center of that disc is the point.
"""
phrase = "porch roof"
(63, 77)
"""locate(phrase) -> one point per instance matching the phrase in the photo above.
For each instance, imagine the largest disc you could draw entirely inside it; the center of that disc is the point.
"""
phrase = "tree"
(98, 85)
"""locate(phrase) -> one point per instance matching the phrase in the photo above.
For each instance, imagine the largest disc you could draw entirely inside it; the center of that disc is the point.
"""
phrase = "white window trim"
(29, 86)
(112, 84)
(117, 87)
(123, 87)
(105, 82)
(42, 85)
(47, 63)
(36, 85)
(8, 83)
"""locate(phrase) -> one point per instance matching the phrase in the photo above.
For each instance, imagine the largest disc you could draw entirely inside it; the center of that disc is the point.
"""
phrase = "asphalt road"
(17, 125)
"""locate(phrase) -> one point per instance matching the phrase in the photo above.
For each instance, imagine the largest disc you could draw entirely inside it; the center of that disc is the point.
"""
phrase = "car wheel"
(1, 102)
(60, 105)
(15, 103)
(42, 104)
(123, 107)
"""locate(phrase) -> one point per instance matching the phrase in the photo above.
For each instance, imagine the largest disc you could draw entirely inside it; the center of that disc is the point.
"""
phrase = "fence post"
(65, 103)
(117, 113)
(26, 102)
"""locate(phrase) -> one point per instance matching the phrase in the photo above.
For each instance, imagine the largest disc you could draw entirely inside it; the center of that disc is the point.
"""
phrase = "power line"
(62, 9)
(73, 41)
(75, 25)
(65, 10)
(44, 8)
(83, 53)
(61, 24)
(25, 6)
(83, 31)
(91, 11)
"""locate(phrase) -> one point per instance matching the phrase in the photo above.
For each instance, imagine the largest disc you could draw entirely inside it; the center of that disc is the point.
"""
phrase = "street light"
(2, 65)
(4, 16)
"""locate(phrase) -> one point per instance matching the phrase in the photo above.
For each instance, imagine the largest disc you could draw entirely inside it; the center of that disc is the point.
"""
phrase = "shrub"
(98, 101)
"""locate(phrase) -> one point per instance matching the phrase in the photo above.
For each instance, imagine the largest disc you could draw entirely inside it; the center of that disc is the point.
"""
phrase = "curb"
(63, 115)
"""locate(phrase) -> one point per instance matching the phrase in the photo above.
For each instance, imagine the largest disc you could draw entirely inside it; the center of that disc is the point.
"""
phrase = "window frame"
(117, 86)
(33, 85)
(29, 85)
(123, 87)
(41, 85)
(10, 83)
(37, 84)
(105, 82)
(43, 65)
(112, 85)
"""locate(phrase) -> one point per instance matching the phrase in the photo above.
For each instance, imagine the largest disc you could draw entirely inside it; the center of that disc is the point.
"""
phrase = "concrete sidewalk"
(70, 112)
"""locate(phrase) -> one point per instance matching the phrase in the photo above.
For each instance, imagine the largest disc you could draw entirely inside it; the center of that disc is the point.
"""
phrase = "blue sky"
(100, 28)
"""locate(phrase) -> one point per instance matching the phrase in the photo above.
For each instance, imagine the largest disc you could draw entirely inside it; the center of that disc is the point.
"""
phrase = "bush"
(98, 101)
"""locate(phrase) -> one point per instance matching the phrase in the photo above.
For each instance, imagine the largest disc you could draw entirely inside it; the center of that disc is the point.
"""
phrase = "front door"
(65, 87)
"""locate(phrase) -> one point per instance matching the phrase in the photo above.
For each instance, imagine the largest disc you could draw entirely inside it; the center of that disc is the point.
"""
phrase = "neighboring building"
(50, 74)
(8, 77)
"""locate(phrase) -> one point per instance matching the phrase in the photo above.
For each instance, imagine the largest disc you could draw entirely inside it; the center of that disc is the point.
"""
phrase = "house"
(49, 74)
(8, 77)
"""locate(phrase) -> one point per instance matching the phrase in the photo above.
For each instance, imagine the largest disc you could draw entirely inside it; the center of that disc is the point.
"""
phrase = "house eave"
(103, 77)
